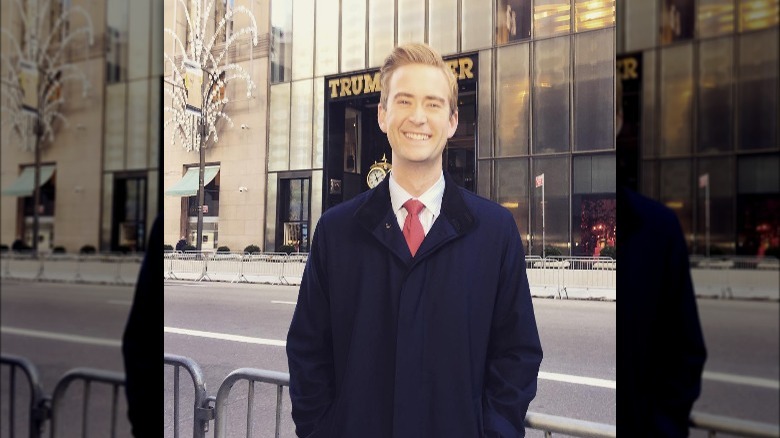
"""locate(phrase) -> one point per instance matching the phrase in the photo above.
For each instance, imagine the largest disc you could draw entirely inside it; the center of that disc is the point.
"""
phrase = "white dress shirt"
(431, 199)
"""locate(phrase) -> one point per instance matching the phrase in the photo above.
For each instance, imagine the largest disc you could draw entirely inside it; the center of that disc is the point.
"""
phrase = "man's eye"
(434, 105)
(403, 102)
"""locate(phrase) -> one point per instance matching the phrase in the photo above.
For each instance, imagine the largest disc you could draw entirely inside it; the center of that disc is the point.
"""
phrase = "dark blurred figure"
(142, 343)
(660, 345)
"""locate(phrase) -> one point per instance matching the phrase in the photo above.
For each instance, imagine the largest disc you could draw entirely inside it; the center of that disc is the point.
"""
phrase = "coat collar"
(377, 217)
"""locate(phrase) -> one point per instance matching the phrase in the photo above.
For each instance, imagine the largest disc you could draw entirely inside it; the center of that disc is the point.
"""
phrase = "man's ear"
(380, 116)
(453, 124)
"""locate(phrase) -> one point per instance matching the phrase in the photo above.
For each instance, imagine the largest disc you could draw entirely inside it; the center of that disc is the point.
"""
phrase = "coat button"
(387, 225)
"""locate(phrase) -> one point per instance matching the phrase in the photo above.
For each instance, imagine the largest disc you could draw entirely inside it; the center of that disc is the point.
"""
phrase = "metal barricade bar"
(554, 424)
(252, 375)
(202, 412)
(39, 409)
(714, 424)
(88, 375)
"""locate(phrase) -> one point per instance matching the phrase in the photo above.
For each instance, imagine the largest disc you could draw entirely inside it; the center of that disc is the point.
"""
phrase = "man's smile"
(416, 136)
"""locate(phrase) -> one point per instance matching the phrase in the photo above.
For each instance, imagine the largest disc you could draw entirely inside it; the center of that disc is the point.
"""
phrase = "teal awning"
(25, 183)
(188, 184)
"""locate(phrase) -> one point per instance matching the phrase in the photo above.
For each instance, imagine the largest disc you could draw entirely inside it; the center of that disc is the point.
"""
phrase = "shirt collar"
(431, 198)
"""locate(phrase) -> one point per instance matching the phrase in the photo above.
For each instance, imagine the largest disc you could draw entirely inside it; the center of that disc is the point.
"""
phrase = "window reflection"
(512, 86)
(676, 99)
(551, 95)
(551, 17)
(281, 41)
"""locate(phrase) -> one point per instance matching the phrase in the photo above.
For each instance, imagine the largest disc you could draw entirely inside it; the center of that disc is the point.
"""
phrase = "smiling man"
(414, 316)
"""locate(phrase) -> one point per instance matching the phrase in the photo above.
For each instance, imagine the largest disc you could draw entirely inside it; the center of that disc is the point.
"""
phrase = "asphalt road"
(61, 326)
(58, 327)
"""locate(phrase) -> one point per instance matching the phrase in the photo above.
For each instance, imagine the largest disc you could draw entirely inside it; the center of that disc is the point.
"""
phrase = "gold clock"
(378, 172)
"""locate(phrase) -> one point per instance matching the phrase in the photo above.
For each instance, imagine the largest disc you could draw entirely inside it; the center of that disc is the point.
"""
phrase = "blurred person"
(661, 350)
(142, 343)
(414, 316)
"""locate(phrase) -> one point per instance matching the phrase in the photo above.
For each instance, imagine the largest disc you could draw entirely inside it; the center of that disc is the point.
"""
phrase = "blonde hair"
(416, 53)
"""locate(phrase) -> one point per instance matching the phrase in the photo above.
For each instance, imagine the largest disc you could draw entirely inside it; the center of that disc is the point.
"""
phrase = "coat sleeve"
(514, 349)
(310, 346)
(682, 343)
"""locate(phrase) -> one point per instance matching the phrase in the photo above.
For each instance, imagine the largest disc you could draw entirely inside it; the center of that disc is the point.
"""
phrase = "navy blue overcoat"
(443, 344)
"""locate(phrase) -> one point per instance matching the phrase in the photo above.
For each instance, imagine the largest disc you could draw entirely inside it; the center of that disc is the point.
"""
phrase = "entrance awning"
(25, 183)
(188, 184)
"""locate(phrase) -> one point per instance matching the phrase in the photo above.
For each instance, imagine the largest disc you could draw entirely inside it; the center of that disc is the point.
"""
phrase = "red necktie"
(413, 230)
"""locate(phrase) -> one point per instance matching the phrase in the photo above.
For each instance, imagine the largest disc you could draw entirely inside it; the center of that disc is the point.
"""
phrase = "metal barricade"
(88, 376)
(264, 267)
(715, 424)
(5, 258)
(24, 266)
(545, 274)
(38, 407)
(225, 266)
(736, 277)
(294, 267)
(129, 268)
(550, 424)
(589, 277)
(251, 375)
(168, 257)
(190, 265)
(99, 268)
(202, 412)
(60, 267)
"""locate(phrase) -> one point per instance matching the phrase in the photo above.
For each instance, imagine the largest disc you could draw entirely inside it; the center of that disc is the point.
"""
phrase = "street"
(228, 326)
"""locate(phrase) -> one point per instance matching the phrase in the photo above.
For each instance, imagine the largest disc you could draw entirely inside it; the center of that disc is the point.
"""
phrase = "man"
(425, 332)
(661, 349)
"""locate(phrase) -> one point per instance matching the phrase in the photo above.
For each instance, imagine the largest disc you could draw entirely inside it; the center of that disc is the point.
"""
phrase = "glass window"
(381, 31)
(327, 55)
(116, 35)
(114, 127)
(649, 179)
(758, 79)
(294, 214)
(675, 191)
(301, 125)
(443, 25)
(720, 176)
(279, 129)
(281, 41)
(641, 25)
(485, 101)
(303, 39)
(551, 17)
(551, 95)
(319, 121)
(484, 177)
(594, 96)
(758, 174)
(555, 219)
(513, 20)
(677, 21)
(594, 174)
(316, 199)
(758, 14)
(648, 128)
(715, 101)
(676, 100)
(138, 42)
(511, 191)
(138, 124)
(715, 17)
(593, 14)
(353, 35)
(512, 106)
(107, 213)
(476, 25)
(411, 21)
(270, 211)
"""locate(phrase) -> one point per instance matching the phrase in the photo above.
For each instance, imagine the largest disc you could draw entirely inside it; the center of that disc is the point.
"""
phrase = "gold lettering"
(465, 68)
(372, 85)
(628, 68)
(357, 84)
(453, 64)
(345, 91)
(334, 86)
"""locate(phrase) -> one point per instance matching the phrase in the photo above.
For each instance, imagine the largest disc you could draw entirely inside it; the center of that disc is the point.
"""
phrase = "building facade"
(536, 97)
(700, 101)
(99, 168)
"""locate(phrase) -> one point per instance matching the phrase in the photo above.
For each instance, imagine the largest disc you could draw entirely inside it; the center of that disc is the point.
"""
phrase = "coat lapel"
(377, 217)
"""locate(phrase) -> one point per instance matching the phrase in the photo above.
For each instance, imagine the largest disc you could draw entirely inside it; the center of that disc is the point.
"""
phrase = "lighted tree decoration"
(32, 76)
(200, 53)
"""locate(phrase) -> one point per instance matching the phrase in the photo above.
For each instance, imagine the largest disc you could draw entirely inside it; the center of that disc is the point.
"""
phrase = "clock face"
(375, 176)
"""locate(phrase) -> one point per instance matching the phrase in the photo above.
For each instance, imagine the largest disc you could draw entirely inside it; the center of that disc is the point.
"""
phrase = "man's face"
(417, 120)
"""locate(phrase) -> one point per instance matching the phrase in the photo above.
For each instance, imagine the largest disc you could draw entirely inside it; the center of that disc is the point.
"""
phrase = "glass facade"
(541, 101)
(704, 107)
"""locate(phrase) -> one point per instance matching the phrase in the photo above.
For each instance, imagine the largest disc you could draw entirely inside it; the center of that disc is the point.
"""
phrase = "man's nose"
(418, 115)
